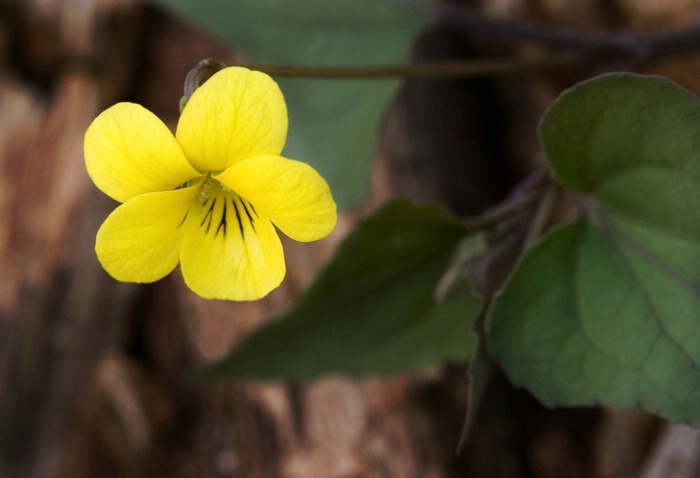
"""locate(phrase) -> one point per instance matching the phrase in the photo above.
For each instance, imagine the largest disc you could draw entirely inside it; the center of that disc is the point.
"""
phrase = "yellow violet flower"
(208, 197)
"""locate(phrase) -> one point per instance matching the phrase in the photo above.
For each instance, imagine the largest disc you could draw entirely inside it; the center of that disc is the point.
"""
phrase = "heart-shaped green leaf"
(333, 124)
(633, 143)
(372, 309)
(607, 310)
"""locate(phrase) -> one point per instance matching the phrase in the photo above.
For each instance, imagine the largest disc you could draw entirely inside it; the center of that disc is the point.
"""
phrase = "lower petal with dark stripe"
(228, 251)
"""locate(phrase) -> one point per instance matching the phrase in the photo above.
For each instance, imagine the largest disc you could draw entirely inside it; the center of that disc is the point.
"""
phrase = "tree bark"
(93, 373)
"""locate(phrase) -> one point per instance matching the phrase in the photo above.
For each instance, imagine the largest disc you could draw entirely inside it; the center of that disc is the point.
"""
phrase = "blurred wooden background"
(91, 370)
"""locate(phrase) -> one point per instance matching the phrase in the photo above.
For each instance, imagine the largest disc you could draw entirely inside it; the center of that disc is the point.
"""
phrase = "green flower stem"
(526, 195)
(543, 214)
(437, 69)
(536, 199)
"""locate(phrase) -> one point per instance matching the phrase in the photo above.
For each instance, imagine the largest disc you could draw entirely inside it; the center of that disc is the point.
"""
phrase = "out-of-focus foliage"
(372, 309)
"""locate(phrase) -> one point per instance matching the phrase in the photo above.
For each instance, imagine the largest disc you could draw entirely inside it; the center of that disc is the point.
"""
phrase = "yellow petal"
(140, 240)
(289, 193)
(228, 252)
(237, 113)
(129, 151)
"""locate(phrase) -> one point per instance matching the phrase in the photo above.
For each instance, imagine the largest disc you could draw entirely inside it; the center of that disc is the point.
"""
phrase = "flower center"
(210, 188)
(220, 211)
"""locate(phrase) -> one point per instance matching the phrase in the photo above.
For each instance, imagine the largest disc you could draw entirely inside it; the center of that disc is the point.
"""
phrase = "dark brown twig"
(639, 46)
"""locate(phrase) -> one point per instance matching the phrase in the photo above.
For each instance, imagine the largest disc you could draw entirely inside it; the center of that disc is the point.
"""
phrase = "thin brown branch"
(627, 44)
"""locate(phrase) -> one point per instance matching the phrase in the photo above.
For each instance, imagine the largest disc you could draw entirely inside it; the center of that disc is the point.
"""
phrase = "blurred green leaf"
(607, 310)
(333, 123)
(372, 309)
